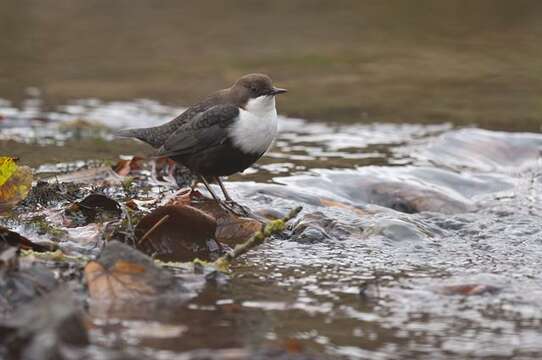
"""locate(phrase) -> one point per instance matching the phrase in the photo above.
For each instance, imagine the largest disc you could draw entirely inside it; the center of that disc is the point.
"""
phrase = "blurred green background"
(464, 61)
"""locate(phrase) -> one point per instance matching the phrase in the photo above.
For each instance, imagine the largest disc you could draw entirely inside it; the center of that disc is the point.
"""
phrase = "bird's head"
(256, 92)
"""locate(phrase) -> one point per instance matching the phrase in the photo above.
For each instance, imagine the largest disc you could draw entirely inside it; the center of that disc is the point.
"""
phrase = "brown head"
(253, 86)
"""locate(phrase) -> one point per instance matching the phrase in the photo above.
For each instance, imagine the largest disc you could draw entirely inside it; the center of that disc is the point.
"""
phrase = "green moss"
(43, 227)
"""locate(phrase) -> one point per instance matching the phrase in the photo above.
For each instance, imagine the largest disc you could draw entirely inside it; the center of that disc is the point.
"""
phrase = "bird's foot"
(235, 208)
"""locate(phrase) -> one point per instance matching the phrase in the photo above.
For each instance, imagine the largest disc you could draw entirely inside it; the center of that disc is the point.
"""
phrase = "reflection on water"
(393, 216)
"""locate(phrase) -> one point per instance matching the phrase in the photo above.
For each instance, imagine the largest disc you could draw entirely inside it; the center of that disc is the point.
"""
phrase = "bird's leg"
(204, 181)
(231, 205)
(226, 195)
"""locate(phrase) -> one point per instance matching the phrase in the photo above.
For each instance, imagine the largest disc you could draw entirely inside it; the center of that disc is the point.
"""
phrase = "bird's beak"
(276, 91)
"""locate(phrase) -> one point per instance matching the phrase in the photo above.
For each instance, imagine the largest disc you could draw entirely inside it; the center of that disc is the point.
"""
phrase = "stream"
(415, 241)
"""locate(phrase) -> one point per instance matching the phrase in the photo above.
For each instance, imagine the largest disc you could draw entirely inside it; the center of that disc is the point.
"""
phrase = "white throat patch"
(256, 127)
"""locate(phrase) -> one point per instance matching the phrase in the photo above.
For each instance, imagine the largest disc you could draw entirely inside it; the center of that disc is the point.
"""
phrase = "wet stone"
(48, 328)
(93, 208)
(49, 194)
(317, 227)
(20, 284)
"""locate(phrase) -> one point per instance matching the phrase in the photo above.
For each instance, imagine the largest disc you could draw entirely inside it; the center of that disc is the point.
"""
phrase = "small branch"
(273, 227)
(158, 223)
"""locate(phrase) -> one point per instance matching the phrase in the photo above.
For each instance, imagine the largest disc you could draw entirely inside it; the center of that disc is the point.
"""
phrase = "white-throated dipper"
(221, 135)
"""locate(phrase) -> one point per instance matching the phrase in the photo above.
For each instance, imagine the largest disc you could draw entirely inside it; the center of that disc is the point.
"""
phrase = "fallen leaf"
(293, 346)
(124, 166)
(119, 282)
(15, 183)
(11, 238)
(178, 233)
(231, 229)
(7, 168)
(469, 289)
(123, 273)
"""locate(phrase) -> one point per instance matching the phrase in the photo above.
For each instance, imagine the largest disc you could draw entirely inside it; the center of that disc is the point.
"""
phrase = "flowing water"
(415, 241)
(420, 236)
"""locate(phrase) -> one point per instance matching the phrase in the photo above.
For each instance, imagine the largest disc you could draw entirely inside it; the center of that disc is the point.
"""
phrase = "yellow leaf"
(7, 168)
(17, 183)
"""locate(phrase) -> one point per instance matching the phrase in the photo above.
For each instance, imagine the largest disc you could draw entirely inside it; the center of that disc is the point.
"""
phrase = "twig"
(158, 223)
(274, 227)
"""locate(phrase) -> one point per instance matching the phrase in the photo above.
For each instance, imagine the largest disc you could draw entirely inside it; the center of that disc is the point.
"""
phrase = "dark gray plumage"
(202, 138)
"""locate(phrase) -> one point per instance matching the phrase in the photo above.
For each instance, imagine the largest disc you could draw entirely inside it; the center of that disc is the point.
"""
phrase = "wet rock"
(21, 284)
(93, 208)
(411, 199)
(123, 273)
(406, 189)
(50, 194)
(49, 328)
(394, 229)
(317, 227)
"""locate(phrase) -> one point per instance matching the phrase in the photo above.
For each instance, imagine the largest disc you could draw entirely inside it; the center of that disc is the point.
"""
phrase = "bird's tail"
(128, 133)
(153, 136)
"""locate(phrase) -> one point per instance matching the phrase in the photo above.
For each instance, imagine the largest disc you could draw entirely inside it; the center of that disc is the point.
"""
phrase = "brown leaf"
(123, 273)
(11, 238)
(120, 282)
(15, 183)
(469, 289)
(123, 167)
(178, 233)
(293, 346)
(231, 229)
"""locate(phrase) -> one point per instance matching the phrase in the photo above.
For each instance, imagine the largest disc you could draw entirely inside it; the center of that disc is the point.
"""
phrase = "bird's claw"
(235, 208)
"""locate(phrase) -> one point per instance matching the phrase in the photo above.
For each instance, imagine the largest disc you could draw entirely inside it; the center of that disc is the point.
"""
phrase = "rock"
(19, 286)
(93, 208)
(50, 328)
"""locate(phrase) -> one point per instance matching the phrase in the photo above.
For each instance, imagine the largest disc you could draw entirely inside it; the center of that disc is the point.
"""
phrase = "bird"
(221, 135)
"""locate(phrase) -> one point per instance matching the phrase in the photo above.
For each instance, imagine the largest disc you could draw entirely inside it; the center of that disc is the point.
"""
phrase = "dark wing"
(204, 130)
(157, 135)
